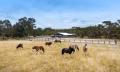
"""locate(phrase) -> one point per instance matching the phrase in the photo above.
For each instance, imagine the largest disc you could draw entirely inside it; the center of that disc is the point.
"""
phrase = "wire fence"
(76, 40)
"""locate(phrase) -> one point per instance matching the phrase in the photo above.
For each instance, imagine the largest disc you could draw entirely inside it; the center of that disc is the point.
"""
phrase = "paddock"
(101, 57)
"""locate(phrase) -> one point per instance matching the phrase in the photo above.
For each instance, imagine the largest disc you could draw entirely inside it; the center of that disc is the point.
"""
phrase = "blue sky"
(61, 13)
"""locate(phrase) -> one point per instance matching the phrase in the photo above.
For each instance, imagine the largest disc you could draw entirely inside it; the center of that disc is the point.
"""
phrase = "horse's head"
(20, 45)
(34, 47)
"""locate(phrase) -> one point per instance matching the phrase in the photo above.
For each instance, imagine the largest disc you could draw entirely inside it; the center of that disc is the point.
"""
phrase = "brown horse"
(74, 46)
(85, 49)
(37, 48)
(48, 43)
(57, 41)
(19, 46)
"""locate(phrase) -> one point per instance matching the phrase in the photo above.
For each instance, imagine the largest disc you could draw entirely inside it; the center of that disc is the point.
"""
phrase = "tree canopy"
(26, 27)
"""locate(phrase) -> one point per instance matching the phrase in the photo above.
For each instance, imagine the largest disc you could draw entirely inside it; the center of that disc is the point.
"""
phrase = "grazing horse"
(68, 50)
(48, 43)
(19, 46)
(57, 41)
(37, 48)
(74, 46)
(85, 49)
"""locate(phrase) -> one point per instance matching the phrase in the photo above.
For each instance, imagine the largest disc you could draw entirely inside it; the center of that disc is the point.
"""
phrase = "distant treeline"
(26, 27)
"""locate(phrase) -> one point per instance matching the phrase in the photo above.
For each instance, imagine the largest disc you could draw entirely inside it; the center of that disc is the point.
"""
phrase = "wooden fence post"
(109, 41)
(92, 41)
(104, 41)
(80, 41)
(115, 41)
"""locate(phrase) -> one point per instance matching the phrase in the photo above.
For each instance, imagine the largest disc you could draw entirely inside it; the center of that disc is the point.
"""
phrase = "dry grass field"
(100, 58)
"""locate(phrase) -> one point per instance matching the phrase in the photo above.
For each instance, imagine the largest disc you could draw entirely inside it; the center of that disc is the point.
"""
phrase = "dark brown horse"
(48, 43)
(68, 50)
(19, 46)
(38, 48)
(74, 46)
(57, 41)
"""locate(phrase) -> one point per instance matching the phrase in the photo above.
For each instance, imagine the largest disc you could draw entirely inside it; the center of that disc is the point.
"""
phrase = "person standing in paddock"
(85, 49)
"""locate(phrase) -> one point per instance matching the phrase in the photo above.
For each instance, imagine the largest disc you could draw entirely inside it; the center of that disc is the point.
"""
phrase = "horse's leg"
(16, 47)
(43, 50)
(73, 52)
(39, 50)
(36, 51)
(33, 51)
(78, 48)
(85, 54)
(70, 53)
(62, 52)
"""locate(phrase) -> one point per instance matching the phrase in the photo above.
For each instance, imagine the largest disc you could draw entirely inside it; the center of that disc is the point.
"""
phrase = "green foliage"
(5, 28)
(26, 27)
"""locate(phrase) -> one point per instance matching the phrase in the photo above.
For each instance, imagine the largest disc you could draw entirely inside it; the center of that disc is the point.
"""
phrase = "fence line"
(77, 40)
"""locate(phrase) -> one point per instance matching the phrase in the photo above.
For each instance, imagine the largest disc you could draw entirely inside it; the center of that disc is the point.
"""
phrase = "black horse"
(68, 50)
